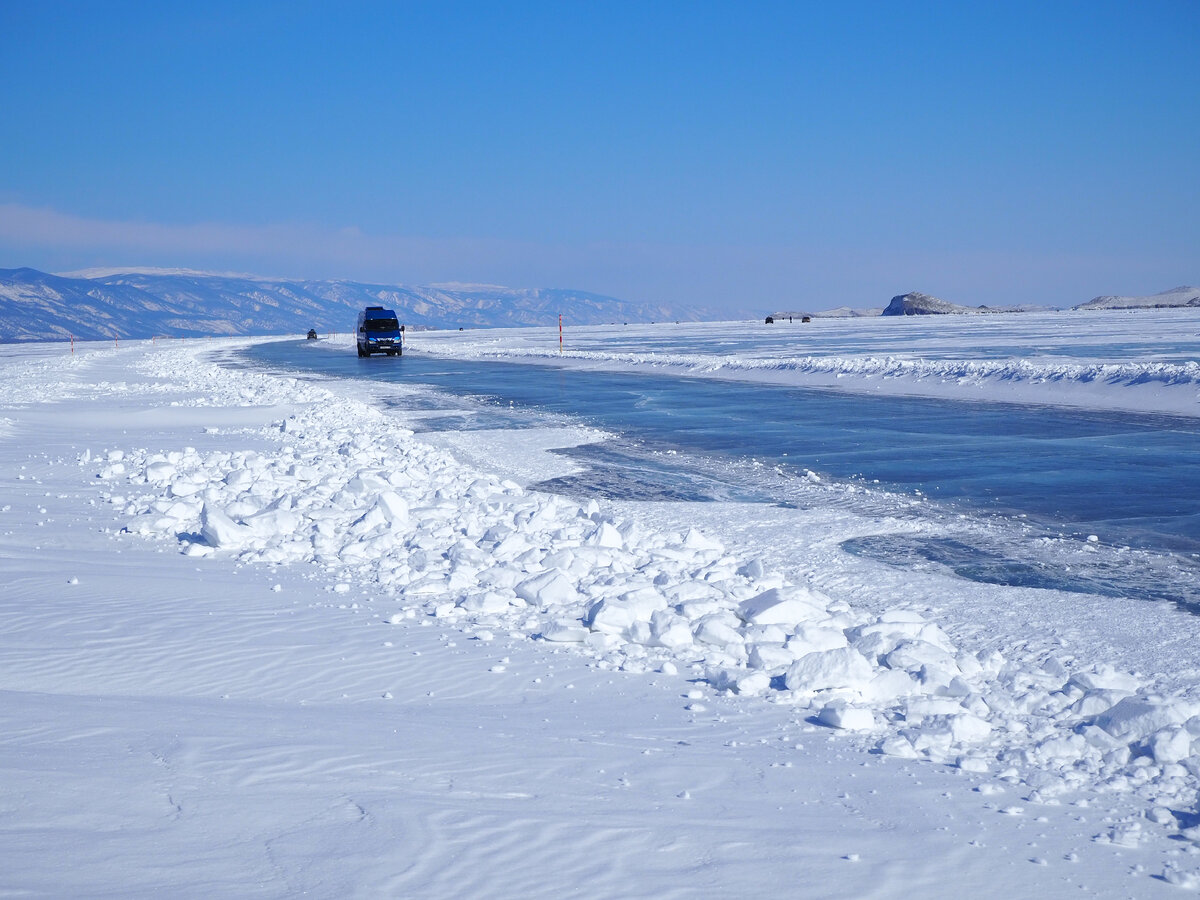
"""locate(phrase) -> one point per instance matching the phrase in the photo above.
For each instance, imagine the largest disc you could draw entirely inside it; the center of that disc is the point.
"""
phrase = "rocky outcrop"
(915, 303)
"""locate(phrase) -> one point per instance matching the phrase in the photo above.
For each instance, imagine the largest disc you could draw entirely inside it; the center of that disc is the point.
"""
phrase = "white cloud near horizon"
(307, 251)
(632, 270)
(304, 246)
(736, 278)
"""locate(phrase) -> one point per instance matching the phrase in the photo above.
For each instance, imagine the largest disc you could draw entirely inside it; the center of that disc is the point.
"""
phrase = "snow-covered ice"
(1139, 360)
(261, 638)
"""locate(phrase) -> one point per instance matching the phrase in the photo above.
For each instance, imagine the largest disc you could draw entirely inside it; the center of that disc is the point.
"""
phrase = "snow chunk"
(1182, 878)
(809, 638)
(848, 718)
(899, 746)
(783, 606)
(615, 615)
(670, 631)
(1134, 717)
(697, 541)
(753, 683)
(549, 588)
(890, 685)
(606, 535)
(272, 523)
(931, 661)
(159, 472)
(1171, 745)
(1095, 702)
(565, 633)
(770, 656)
(218, 530)
(718, 630)
(488, 603)
(968, 729)
(393, 506)
(1105, 678)
(829, 670)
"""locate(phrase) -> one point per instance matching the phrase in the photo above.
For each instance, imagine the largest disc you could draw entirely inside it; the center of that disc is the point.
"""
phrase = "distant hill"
(1180, 296)
(918, 304)
(838, 312)
(139, 303)
(915, 303)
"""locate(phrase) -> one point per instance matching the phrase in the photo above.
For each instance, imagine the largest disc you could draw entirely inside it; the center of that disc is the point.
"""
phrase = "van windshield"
(382, 325)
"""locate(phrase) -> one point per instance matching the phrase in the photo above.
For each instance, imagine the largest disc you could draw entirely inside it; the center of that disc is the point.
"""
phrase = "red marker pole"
(560, 334)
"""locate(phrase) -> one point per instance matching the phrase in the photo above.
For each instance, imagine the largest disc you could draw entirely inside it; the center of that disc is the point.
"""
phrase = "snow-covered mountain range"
(1180, 296)
(138, 302)
(914, 303)
(101, 304)
(918, 304)
(838, 312)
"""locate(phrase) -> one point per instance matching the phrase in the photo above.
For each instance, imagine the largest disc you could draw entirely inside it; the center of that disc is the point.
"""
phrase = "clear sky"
(749, 156)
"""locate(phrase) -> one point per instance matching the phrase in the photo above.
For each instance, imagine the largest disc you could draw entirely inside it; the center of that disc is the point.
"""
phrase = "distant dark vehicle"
(770, 320)
(379, 331)
(312, 334)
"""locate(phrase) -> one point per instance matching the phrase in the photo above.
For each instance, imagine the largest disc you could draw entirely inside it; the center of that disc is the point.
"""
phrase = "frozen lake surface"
(1005, 493)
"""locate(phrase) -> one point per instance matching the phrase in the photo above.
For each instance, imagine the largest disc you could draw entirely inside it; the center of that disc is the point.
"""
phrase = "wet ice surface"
(1131, 473)
(1013, 491)
(628, 470)
(1108, 573)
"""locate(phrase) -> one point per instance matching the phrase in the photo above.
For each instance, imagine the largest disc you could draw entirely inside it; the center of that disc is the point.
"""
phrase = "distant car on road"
(379, 331)
(312, 334)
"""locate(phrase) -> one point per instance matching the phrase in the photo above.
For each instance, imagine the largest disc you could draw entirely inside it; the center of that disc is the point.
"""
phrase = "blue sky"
(744, 156)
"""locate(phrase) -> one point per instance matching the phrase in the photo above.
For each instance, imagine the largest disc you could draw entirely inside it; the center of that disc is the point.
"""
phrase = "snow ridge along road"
(390, 548)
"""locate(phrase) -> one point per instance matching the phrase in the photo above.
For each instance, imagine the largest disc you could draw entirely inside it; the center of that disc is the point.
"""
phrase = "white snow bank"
(1060, 383)
(341, 486)
(1142, 362)
(879, 367)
